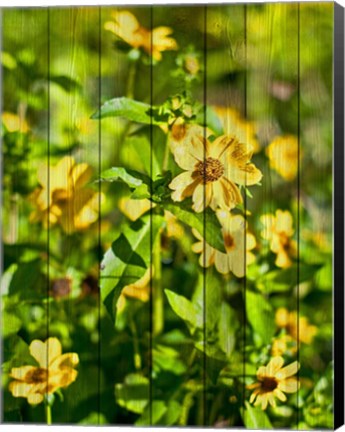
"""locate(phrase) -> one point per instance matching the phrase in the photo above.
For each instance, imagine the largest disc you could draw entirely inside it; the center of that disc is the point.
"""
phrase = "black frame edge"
(338, 209)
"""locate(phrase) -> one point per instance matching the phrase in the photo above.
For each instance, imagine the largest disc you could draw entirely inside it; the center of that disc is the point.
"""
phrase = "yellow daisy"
(282, 345)
(278, 230)
(63, 198)
(234, 124)
(55, 370)
(212, 171)
(234, 260)
(273, 382)
(283, 155)
(14, 123)
(297, 327)
(126, 26)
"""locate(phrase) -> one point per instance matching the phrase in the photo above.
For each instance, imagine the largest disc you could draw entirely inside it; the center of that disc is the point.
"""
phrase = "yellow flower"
(133, 208)
(283, 156)
(126, 26)
(296, 326)
(273, 381)
(212, 171)
(234, 260)
(282, 345)
(139, 290)
(63, 198)
(55, 370)
(14, 123)
(234, 124)
(278, 230)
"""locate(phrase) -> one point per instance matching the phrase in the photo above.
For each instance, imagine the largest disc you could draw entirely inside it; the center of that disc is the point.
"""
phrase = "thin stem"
(137, 357)
(48, 411)
(158, 306)
(166, 154)
(131, 79)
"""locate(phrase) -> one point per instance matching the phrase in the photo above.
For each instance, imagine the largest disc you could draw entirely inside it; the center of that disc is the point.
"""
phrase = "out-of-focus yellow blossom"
(134, 209)
(191, 64)
(173, 228)
(55, 370)
(13, 123)
(296, 326)
(283, 344)
(139, 290)
(273, 382)
(283, 155)
(234, 124)
(278, 230)
(236, 239)
(212, 171)
(126, 26)
(63, 198)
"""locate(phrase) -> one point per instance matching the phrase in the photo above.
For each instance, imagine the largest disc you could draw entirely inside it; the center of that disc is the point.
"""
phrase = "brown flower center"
(211, 169)
(229, 242)
(38, 375)
(269, 384)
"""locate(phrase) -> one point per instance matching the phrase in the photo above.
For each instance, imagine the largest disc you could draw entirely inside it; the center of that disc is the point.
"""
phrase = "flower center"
(38, 375)
(269, 384)
(211, 170)
(229, 242)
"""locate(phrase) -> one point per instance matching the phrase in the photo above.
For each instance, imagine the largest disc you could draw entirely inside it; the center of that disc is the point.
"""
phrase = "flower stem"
(137, 357)
(157, 292)
(48, 413)
(131, 79)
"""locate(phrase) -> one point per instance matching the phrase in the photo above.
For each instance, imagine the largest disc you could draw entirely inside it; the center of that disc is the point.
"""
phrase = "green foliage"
(128, 259)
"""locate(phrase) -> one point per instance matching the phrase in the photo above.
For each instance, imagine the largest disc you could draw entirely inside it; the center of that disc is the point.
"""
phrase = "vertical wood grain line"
(99, 209)
(151, 228)
(298, 197)
(245, 218)
(48, 183)
(204, 223)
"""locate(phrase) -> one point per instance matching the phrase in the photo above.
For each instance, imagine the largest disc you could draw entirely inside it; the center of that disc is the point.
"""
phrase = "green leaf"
(167, 359)
(65, 82)
(228, 325)
(127, 259)
(26, 279)
(128, 108)
(134, 393)
(285, 279)
(132, 178)
(94, 418)
(11, 324)
(260, 316)
(152, 413)
(173, 413)
(197, 220)
(211, 119)
(141, 144)
(255, 418)
(185, 309)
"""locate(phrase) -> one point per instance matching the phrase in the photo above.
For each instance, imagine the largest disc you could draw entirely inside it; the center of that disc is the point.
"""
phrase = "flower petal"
(181, 184)
(21, 372)
(199, 198)
(288, 371)
(274, 366)
(45, 352)
(20, 389)
(279, 394)
(35, 398)
(64, 360)
(290, 385)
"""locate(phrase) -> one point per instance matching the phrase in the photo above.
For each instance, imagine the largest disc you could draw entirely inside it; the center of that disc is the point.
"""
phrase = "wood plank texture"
(167, 214)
